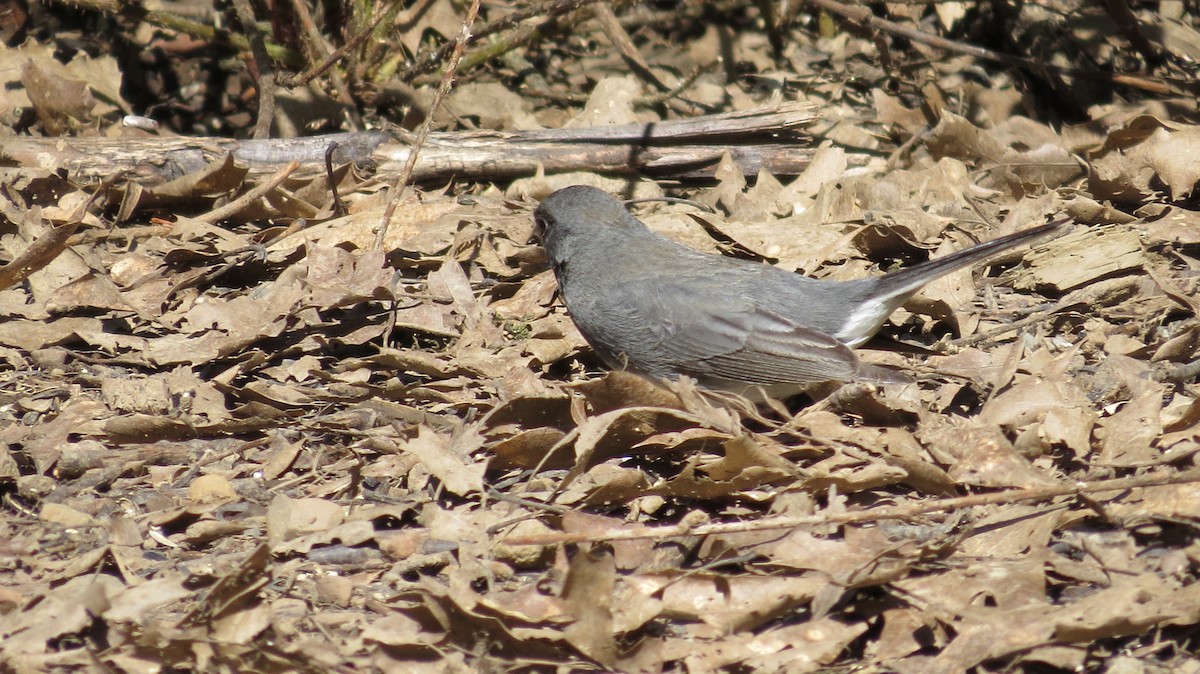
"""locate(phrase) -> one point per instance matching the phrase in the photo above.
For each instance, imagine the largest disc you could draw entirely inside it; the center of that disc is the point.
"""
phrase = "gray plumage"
(651, 305)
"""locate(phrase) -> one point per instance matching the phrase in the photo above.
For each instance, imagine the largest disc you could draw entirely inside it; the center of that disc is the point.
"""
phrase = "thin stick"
(443, 89)
(264, 69)
(1012, 326)
(337, 54)
(616, 34)
(204, 32)
(557, 8)
(236, 206)
(899, 512)
(316, 49)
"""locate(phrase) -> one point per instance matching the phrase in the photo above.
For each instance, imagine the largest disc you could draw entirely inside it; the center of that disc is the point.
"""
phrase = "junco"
(654, 306)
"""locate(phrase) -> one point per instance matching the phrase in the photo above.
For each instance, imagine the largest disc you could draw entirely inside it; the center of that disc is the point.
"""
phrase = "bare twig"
(422, 133)
(264, 69)
(315, 46)
(201, 31)
(123, 233)
(1183, 373)
(557, 8)
(624, 44)
(339, 53)
(684, 84)
(339, 209)
(236, 206)
(1013, 326)
(519, 37)
(899, 512)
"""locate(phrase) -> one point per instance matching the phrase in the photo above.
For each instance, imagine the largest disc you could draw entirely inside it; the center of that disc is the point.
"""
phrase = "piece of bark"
(1079, 258)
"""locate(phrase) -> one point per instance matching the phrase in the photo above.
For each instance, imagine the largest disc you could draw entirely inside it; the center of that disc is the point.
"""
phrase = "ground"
(256, 435)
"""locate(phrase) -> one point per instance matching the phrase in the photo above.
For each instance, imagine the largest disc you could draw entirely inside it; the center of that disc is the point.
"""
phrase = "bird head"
(579, 216)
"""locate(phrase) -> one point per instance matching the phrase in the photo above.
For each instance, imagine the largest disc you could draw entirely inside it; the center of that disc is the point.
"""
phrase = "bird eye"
(540, 226)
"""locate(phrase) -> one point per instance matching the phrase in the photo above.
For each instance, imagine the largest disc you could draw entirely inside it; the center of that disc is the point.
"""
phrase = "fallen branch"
(767, 138)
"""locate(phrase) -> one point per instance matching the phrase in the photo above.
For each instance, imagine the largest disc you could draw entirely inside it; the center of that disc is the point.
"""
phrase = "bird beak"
(537, 236)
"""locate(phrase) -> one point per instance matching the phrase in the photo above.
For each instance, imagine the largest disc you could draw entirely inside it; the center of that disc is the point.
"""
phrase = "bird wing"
(686, 324)
(759, 347)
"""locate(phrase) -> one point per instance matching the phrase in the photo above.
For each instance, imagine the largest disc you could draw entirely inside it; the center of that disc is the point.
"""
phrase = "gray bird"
(654, 306)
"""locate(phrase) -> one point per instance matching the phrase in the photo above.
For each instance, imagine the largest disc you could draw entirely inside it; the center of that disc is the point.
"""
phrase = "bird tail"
(907, 281)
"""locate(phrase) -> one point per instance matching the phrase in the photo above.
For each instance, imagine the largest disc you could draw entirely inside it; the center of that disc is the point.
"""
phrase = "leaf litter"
(262, 444)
